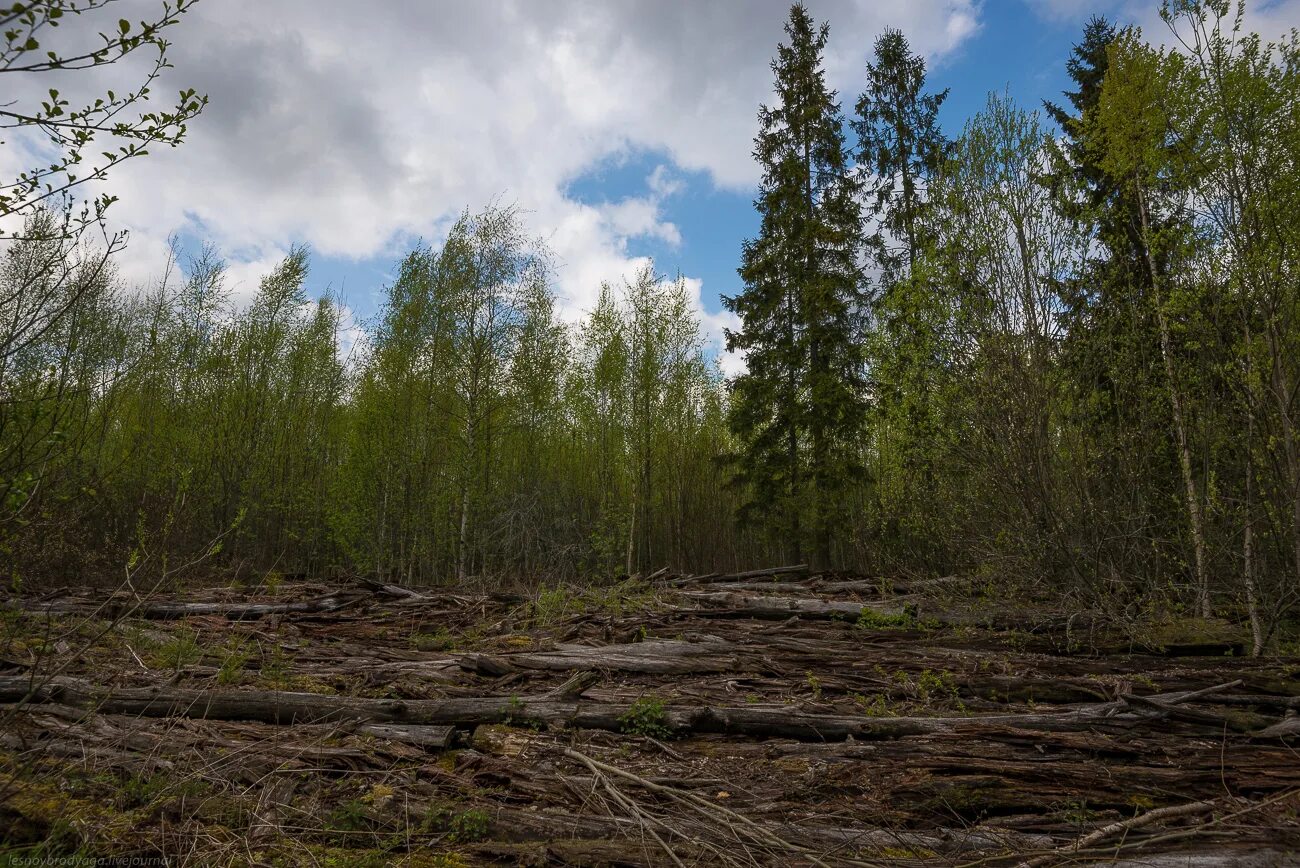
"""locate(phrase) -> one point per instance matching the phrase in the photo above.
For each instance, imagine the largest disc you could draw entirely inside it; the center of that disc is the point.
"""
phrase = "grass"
(180, 651)
(870, 619)
(438, 640)
(232, 664)
(554, 604)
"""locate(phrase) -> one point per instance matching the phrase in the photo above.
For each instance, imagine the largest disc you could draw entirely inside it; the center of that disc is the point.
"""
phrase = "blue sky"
(622, 128)
(1014, 50)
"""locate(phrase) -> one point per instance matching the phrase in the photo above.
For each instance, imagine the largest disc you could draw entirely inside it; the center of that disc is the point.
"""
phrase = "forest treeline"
(1058, 352)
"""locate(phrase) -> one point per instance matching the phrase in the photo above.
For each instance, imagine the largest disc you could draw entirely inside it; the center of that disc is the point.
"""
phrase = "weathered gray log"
(286, 707)
(726, 604)
(802, 586)
(714, 578)
(168, 611)
(1219, 858)
(1264, 701)
(1285, 728)
(424, 736)
(656, 657)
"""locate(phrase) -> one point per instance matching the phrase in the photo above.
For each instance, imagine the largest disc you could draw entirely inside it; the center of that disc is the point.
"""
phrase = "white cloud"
(356, 132)
(714, 323)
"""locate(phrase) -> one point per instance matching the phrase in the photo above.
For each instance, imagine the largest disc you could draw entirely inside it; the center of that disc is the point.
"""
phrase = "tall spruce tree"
(900, 151)
(799, 410)
(901, 145)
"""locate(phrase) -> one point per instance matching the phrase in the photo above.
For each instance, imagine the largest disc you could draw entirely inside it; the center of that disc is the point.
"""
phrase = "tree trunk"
(284, 708)
(1180, 425)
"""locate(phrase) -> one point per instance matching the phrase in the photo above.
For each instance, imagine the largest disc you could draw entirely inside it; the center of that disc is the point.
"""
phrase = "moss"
(63, 819)
(901, 853)
(1190, 632)
(438, 640)
(870, 619)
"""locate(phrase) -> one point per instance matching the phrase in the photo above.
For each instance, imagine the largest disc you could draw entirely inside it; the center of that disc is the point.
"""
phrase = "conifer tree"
(799, 409)
(901, 145)
(900, 151)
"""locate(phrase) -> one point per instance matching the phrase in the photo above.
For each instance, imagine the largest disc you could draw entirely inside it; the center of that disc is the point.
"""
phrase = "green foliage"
(870, 619)
(647, 716)
(350, 816)
(438, 640)
(1068, 373)
(797, 412)
(178, 652)
(232, 666)
(468, 827)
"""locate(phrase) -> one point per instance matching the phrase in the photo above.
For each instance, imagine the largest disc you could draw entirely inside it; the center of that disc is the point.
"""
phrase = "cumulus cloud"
(356, 133)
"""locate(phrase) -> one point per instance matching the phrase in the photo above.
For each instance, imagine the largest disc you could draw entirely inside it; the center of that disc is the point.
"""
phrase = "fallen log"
(424, 736)
(726, 604)
(714, 578)
(1113, 830)
(170, 611)
(287, 707)
(1242, 857)
(656, 657)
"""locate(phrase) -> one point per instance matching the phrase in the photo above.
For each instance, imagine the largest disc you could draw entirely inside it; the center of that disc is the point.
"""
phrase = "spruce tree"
(798, 411)
(901, 145)
(900, 151)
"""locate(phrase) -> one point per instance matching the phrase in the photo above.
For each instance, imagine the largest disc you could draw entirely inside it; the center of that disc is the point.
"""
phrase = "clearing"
(775, 718)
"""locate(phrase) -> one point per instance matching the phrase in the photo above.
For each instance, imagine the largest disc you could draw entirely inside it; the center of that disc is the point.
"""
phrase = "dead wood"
(287, 707)
(1114, 830)
(773, 572)
(657, 657)
(779, 608)
(168, 611)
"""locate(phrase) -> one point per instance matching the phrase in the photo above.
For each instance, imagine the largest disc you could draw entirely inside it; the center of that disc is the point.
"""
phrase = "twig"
(1123, 826)
(699, 805)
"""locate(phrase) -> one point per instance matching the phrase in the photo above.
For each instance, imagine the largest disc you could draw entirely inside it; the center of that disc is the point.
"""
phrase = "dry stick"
(699, 804)
(1124, 826)
(631, 807)
(602, 779)
(1198, 830)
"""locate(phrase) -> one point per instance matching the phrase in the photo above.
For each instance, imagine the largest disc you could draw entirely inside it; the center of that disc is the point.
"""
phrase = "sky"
(621, 128)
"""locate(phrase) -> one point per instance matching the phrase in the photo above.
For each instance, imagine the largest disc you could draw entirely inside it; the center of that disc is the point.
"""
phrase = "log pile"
(757, 718)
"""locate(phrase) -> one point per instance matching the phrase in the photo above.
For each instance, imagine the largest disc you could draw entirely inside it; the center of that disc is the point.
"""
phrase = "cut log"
(657, 657)
(779, 608)
(170, 611)
(424, 736)
(770, 572)
(1218, 858)
(286, 707)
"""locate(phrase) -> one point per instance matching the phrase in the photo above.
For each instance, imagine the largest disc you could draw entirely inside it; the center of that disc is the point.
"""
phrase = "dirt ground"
(769, 720)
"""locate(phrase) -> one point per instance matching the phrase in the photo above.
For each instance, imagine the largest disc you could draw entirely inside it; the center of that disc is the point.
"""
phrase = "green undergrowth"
(553, 604)
(647, 716)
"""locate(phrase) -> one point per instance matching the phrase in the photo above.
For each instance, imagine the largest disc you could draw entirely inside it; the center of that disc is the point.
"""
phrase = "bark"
(1193, 502)
(167, 611)
(658, 657)
(785, 607)
(424, 736)
(286, 707)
